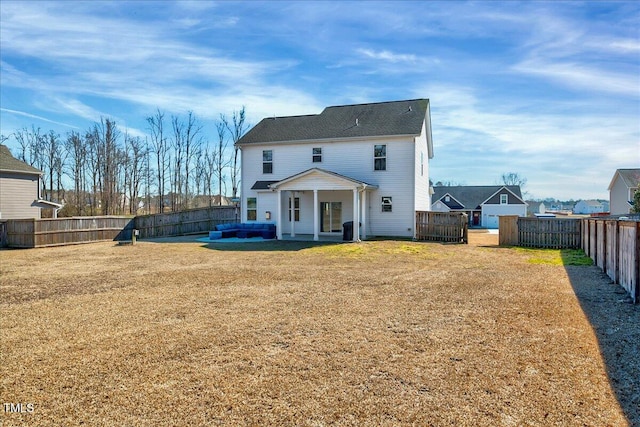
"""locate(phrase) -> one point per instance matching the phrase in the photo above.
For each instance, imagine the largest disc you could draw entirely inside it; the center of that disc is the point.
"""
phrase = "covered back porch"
(315, 204)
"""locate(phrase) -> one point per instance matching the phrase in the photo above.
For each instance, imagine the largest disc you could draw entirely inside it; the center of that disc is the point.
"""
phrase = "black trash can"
(347, 231)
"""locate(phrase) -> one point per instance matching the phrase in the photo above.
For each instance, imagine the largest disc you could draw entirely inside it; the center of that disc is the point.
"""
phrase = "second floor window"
(317, 155)
(504, 199)
(267, 161)
(380, 157)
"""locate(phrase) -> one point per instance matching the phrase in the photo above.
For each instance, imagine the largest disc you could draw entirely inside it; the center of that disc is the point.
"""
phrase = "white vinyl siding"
(353, 159)
(422, 197)
(491, 213)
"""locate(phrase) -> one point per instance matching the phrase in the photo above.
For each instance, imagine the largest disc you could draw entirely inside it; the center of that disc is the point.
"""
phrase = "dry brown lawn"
(382, 333)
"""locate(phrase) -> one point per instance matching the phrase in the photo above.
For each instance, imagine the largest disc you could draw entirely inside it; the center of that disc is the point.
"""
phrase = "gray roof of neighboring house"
(472, 196)
(8, 163)
(631, 177)
(344, 121)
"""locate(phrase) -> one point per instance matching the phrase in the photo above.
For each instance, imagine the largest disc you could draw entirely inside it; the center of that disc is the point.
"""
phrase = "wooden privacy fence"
(614, 246)
(36, 233)
(551, 233)
(442, 226)
(193, 221)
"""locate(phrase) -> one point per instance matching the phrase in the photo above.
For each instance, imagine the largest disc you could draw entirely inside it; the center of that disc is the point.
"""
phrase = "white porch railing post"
(356, 216)
(316, 208)
(292, 212)
(279, 216)
(363, 209)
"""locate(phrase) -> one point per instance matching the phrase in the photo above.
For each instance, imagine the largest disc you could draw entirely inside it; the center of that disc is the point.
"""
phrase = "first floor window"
(267, 161)
(386, 204)
(252, 209)
(380, 157)
(296, 208)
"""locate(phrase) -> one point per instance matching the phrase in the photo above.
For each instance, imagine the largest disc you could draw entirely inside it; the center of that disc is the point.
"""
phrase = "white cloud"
(36, 117)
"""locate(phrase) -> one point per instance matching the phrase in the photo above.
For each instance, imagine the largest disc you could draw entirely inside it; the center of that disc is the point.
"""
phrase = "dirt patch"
(292, 333)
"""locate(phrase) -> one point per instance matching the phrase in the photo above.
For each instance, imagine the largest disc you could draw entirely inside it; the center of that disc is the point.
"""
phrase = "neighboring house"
(366, 163)
(588, 207)
(624, 184)
(483, 204)
(20, 189)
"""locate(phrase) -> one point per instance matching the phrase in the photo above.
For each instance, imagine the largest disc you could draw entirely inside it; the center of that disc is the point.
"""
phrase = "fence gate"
(442, 227)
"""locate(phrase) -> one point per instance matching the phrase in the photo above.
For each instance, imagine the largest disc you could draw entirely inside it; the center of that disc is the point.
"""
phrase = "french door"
(330, 217)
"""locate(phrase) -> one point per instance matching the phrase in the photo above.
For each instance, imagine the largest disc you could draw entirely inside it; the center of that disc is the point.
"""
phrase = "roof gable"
(630, 178)
(452, 203)
(316, 178)
(472, 197)
(344, 122)
(8, 163)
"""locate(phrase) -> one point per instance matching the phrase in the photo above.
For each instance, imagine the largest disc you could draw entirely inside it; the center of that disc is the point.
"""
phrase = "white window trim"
(385, 157)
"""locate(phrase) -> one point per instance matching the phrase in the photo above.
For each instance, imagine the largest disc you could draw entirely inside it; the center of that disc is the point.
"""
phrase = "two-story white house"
(365, 163)
(622, 189)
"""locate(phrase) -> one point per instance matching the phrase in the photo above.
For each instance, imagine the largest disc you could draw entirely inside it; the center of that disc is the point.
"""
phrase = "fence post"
(508, 230)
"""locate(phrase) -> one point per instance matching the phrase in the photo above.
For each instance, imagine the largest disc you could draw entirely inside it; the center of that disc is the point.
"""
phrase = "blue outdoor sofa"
(243, 230)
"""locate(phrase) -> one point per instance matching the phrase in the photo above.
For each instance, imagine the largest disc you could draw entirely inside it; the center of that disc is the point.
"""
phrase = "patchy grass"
(380, 333)
(560, 257)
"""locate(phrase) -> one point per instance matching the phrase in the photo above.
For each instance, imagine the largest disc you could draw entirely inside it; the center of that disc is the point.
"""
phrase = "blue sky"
(550, 90)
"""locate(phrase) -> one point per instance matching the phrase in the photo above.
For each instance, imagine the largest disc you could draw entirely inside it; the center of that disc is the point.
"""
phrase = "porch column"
(364, 214)
(279, 216)
(316, 208)
(292, 212)
(356, 216)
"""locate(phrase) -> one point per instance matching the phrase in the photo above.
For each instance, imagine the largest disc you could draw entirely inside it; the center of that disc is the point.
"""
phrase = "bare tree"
(77, 153)
(104, 138)
(52, 155)
(513, 178)
(160, 148)
(30, 145)
(136, 152)
(219, 161)
(236, 129)
(178, 147)
(192, 142)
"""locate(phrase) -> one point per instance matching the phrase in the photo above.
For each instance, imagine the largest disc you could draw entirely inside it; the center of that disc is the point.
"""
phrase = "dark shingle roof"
(8, 163)
(262, 185)
(344, 121)
(471, 196)
(631, 177)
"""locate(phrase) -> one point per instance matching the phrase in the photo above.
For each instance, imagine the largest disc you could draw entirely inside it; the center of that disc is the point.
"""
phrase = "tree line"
(106, 171)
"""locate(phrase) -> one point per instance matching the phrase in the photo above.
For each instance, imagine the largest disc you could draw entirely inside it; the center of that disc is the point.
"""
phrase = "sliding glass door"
(330, 217)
